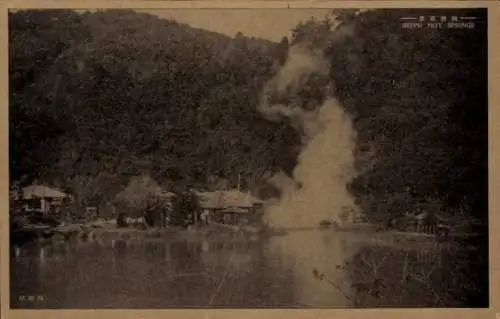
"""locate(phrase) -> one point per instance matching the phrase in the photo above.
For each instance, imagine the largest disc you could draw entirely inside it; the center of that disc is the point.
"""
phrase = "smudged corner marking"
(31, 298)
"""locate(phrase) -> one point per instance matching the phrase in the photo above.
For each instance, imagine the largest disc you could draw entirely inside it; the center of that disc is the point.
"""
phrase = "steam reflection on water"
(276, 272)
(306, 251)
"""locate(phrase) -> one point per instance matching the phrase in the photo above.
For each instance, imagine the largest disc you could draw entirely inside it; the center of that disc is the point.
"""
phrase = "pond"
(313, 268)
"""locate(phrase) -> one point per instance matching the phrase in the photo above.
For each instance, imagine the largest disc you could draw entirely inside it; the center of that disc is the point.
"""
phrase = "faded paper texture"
(221, 159)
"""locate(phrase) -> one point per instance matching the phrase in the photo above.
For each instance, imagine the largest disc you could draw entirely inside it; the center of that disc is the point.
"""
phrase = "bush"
(185, 206)
(121, 220)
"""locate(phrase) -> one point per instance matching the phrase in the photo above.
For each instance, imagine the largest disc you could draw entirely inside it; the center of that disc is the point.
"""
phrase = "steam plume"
(317, 190)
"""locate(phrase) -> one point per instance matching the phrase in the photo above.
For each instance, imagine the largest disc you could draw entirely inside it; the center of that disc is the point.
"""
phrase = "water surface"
(313, 268)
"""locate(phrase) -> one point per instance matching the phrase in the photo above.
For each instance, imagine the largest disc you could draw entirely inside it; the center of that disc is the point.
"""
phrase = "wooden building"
(229, 207)
(41, 198)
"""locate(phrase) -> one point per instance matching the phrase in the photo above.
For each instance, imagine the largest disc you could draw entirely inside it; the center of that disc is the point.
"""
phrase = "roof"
(210, 199)
(131, 192)
(226, 199)
(425, 215)
(421, 215)
(43, 191)
(236, 198)
(235, 210)
(164, 194)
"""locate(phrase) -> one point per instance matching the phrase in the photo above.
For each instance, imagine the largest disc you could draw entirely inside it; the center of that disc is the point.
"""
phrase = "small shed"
(427, 222)
(40, 198)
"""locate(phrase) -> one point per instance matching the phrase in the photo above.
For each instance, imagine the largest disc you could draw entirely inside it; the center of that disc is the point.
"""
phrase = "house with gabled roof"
(40, 198)
(230, 206)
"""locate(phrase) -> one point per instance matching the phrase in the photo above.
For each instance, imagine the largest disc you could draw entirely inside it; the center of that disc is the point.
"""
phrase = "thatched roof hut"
(227, 199)
(42, 191)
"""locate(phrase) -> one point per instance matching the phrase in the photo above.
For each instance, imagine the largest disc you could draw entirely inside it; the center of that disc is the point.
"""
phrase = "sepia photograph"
(248, 158)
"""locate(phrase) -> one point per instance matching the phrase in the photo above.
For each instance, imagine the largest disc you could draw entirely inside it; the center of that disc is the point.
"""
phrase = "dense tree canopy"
(419, 102)
(107, 101)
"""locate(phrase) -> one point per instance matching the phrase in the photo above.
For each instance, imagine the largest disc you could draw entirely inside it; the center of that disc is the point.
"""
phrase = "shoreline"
(108, 232)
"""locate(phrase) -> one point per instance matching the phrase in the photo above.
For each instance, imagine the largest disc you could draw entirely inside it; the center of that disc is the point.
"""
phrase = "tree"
(180, 104)
(139, 197)
(185, 208)
(421, 120)
(399, 92)
(36, 40)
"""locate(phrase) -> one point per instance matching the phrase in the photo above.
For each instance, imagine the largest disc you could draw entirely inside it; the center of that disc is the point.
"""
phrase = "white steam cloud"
(317, 190)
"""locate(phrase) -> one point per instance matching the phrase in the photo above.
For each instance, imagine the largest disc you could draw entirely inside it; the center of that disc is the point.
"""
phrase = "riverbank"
(108, 231)
(392, 274)
(398, 269)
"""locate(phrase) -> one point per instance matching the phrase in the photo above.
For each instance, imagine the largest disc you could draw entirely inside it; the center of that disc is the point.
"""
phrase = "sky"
(270, 24)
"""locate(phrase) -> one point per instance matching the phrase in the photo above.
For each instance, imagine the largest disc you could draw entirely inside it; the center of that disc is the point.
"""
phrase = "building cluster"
(227, 207)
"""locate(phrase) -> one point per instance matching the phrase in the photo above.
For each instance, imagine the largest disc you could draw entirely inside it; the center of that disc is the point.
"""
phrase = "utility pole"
(239, 181)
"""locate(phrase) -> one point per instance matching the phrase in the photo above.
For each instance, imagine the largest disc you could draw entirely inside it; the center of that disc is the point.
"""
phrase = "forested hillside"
(99, 97)
(419, 103)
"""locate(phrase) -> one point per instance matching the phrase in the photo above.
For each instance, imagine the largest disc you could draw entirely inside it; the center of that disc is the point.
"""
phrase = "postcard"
(225, 159)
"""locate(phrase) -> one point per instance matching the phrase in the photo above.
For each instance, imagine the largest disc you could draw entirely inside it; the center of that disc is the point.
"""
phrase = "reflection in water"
(225, 272)
(307, 251)
(434, 277)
